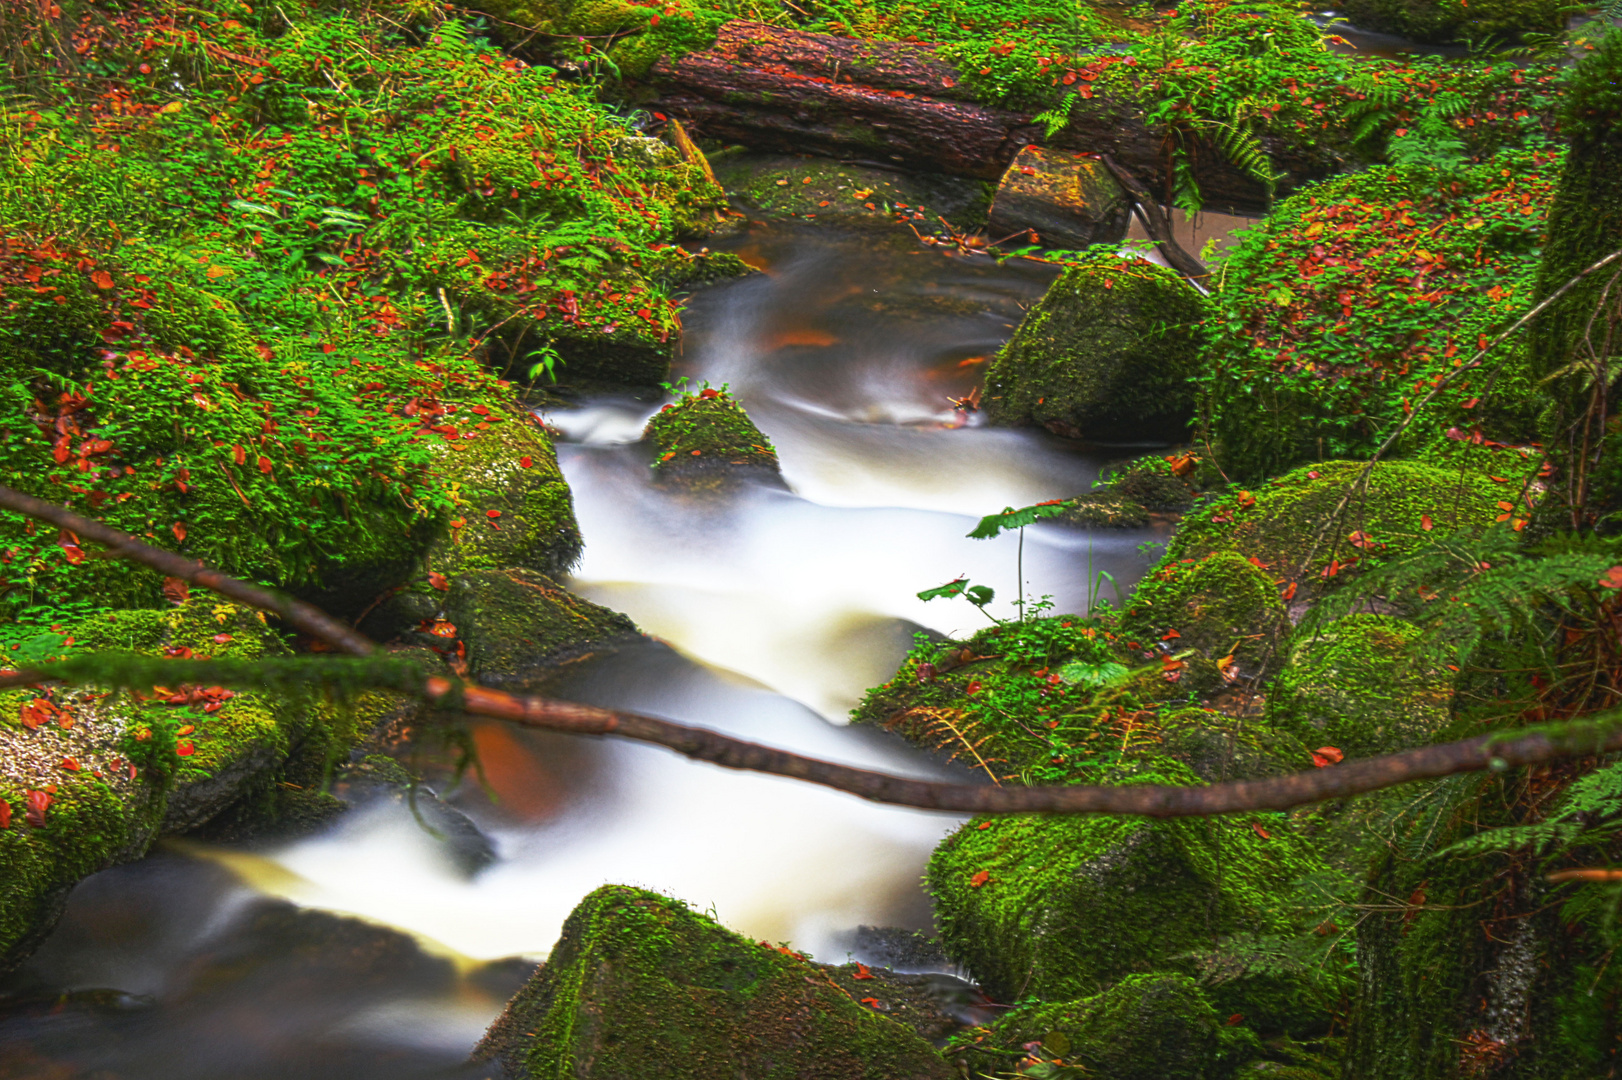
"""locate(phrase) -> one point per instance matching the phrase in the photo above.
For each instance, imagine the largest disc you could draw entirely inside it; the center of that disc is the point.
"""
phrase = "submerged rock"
(705, 442)
(1063, 907)
(1356, 685)
(1146, 1027)
(1106, 354)
(639, 985)
(1069, 200)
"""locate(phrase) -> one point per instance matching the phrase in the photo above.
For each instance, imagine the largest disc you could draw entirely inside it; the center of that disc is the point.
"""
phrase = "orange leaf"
(441, 628)
(179, 529)
(175, 590)
(1612, 578)
(438, 581)
(979, 879)
(239, 455)
(264, 465)
(1169, 635)
(874, 1002)
(525, 462)
(1327, 755)
(185, 749)
(862, 972)
(103, 279)
(1261, 832)
(217, 272)
(186, 730)
(1425, 522)
(1289, 591)
(1246, 499)
(492, 514)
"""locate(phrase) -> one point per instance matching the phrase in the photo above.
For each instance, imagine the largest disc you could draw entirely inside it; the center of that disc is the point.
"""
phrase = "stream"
(772, 610)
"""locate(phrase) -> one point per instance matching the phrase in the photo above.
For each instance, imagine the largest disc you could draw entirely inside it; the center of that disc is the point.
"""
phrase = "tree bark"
(900, 104)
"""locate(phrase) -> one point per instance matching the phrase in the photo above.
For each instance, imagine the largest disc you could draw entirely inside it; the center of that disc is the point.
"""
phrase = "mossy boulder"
(1069, 200)
(1063, 907)
(1146, 1027)
(1155, 483)
(706, 442)
(1101, 510)
(1281, 989)
(1218, 747)
(89, 778)
(639, 985)
(1455, 20)
(1356, 685)
(1222, 605)
(1274, 1070)
(827, 190)
(518, 625)
(1315, 526)
(1107, 354)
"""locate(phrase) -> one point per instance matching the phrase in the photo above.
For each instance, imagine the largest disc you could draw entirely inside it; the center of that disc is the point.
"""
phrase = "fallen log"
(899, 103)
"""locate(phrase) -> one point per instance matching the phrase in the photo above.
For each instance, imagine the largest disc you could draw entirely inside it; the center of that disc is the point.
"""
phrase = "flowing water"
(773, 609)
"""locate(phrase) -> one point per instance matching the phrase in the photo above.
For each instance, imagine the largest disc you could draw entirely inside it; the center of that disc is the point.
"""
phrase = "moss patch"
(639, 985)
(1106, 353)
(705, 440)
(1222, 605)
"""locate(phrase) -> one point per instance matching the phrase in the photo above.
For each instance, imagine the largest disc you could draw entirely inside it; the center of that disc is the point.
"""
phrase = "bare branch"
(1150, 800)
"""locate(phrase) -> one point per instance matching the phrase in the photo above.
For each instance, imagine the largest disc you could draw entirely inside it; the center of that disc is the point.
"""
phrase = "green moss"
(1456, 20)
(1218, 747)
(1062, 907)
(639, 985)
(1146, 1027)
(1353, 684)
(1273, 1070)
(1151, 482)
(1100, 510)
(707, 438)
(1107, 353)
(1221, 605)
(1300, 524)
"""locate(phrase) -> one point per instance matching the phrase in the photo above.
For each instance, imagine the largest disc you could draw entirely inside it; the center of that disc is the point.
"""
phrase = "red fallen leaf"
(1289, 592)
(1170, 663)
(1246, 499)
(238, 454)
(525, 462)
(264, 465)
(709, 394)
(492, 514)
(1258, 564)
(185, 749)
(438, 580)
(69, 544)
(1425, 522)
(103, 279)
(1361, 539)
(1170, 635)
(1264, 834)
(327, 346)
(983, 825)
(179, 529)
(861, 971)
(143, 735)
(1472, 403)
(176, 591)
(1612, 578)
(70, 764)
(979, 879)
(874, 1002)
(186, 730)
(222, 639)
(668, 456)
(38, 802)
(1235, 1019)
(5, 814)
(697, 452)
(441, 628)
(35, 713)
(973, 687)
(1332, 569)
(1327, 755)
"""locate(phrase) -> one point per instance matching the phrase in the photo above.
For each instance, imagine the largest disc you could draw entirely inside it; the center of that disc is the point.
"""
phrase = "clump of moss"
(1106, 354)
(640, 985)
(1146, 1027)
(1218, 747)
(1355, 684)
(1063, 907)
(706, 439)
(1223, 605)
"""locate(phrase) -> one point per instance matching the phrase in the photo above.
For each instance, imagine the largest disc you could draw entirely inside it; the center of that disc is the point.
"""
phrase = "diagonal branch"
(1278, 793)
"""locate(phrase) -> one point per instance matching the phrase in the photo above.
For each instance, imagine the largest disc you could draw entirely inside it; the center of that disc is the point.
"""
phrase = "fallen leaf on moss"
(979, 879)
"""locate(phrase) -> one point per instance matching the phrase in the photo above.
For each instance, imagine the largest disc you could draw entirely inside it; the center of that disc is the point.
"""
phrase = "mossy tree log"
(898, 103)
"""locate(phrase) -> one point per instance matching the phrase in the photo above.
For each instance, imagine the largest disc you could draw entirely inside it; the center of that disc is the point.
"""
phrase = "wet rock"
(931, 1004)
(895, 947)
(1062, 907)
(1147, 1027)
(1223, 605)
(829, 190)
(1069, 200)
(1355, 684)
(639, 985)
(705, 442)
(519, 625)
(1219, 747)
(1106, 354)
(377, 777)
(1101, 510)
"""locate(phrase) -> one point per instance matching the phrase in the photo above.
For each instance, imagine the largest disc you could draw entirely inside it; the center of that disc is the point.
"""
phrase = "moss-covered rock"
(639, 985)
(1280, 988)
(705, 441)
(1106, 354)
(1101, 510)
(1222, 605)
(89, 778)
(1319, 518)
(1155, 483)
(1274, 1070)
(1456, 20)
(1354, 684)
(1218, 747)
(827, 190)
(1062, 907)
(518, 625)
(1146, 1027)
(1069, 200)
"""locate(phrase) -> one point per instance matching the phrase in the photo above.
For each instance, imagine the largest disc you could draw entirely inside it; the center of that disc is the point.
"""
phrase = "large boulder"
(1063, 907)
(1146, 1027)
(1069, 200)
(1357, 685)
(1106, 354)
(639, 985)
(90, 778)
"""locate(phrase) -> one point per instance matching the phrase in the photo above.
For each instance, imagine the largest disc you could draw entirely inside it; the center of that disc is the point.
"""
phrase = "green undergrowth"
(1345, 309)
(233, 315)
